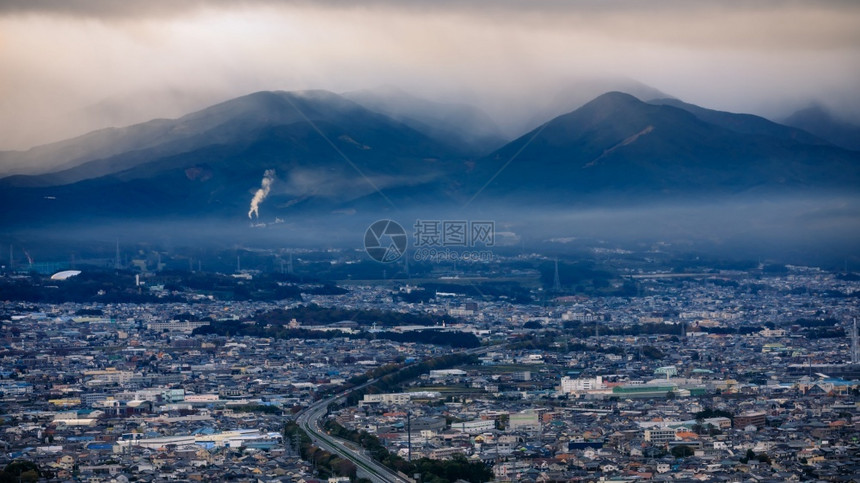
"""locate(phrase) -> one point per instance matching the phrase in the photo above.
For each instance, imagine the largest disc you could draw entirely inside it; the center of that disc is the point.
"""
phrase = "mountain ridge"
(628, 146)
(330, 154)
(819, 121)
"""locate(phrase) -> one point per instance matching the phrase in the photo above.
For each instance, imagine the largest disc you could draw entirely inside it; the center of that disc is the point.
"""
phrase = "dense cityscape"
(707, 375)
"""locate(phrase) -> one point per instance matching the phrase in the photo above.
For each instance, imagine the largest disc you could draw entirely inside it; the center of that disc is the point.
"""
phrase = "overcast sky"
(67, 66)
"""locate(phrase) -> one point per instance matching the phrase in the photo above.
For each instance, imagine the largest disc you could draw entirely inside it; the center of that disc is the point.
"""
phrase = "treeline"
(88, 287)
(326, 463)
(455, 339)
(256, 408)
(825, 333)
(374, 373)
(585, 330)
(313, 314)
(440, 471)
(23, 470)
(262, 287)
(740, 330)
(809, 328)
(119, 286)
(826, 322)
(708, 413)
(511, 291)
(652, 352)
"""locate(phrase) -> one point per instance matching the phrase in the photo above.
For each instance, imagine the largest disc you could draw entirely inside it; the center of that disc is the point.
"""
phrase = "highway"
(309, 420)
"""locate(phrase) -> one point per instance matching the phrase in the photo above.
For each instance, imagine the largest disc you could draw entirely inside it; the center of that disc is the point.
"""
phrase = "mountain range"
(375, 150)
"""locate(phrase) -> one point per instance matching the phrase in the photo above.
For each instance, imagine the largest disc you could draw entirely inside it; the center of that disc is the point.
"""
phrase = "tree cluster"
(313, 314)
(454, 339)
(326, 463)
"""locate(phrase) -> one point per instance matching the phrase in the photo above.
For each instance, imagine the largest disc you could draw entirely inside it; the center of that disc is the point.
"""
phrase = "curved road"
(309, 420)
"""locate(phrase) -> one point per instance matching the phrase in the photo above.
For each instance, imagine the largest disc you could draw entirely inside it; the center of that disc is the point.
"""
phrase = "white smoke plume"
(262, 193)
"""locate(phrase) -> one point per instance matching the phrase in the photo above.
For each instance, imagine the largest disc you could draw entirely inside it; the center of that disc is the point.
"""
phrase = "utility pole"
(409, 435)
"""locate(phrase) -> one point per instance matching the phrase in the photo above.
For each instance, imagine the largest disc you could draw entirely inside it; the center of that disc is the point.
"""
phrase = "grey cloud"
(138, 8)
(77, 65)
(757, 24)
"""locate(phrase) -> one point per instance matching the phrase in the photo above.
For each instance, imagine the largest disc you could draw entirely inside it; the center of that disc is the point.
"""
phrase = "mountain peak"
(617, 97)
(621, 145)
(608, 105)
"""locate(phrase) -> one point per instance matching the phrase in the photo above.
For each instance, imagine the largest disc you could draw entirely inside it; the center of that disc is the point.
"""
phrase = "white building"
(524, 421)
(572, 386)
(660, 435)
(184, 326)
(581, 316)
(476, 426)
(109, 376)
(397, 397)
(442, 373)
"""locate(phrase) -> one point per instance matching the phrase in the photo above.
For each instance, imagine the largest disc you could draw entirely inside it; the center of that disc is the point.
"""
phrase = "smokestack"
(261, 194)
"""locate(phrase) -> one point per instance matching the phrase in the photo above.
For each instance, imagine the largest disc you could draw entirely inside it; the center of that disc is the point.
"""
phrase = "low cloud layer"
(72, 65)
